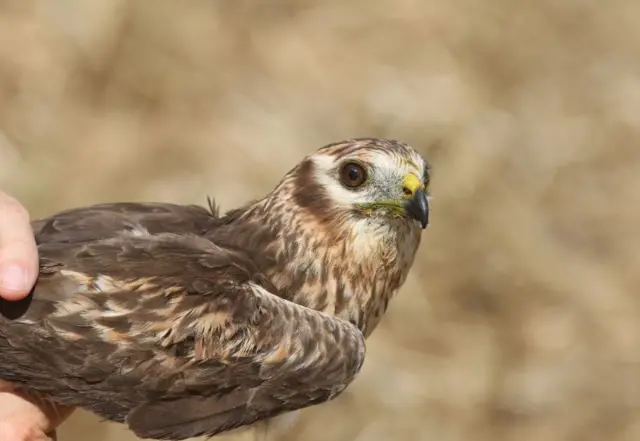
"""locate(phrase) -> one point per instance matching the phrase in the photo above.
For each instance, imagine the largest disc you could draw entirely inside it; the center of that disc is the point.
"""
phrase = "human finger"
(18, 251)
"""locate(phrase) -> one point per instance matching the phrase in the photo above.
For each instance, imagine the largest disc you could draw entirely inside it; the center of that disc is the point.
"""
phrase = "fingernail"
(13, 278)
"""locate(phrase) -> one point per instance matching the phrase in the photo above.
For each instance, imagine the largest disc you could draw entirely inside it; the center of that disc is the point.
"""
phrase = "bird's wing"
(173, 335)
(101, 220)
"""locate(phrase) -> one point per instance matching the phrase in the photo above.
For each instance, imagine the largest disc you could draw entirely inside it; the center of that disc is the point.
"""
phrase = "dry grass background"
(521, 319)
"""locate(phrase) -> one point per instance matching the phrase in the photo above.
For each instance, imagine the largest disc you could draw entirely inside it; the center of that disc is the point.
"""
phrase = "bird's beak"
(416, 205)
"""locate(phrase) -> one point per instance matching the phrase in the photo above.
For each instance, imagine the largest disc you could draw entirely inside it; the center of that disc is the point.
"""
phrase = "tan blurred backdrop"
(520, 320)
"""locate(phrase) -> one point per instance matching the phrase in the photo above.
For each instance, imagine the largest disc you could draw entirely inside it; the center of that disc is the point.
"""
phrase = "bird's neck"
(350, 269)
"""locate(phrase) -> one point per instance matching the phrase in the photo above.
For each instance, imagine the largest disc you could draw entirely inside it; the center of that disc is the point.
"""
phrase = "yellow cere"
(412, 183)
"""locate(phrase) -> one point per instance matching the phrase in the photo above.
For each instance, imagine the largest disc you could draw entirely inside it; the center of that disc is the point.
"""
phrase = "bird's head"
(348, 217)
(381, 181)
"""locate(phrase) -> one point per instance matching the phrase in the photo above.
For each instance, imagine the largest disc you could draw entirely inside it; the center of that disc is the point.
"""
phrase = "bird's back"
(103, 220)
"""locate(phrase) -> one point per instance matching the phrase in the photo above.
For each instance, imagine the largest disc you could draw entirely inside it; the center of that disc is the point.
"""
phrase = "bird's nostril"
(407, 191)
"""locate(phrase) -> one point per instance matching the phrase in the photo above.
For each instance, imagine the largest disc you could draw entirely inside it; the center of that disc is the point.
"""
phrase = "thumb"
(18, 251)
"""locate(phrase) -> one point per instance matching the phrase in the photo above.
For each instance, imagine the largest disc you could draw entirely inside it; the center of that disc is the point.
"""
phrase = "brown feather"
(180, 322)
(111, 331)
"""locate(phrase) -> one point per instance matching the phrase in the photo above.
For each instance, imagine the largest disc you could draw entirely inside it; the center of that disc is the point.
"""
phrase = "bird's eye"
(353, 175)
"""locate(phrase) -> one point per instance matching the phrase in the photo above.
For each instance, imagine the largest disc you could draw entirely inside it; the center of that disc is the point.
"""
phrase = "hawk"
(181, 322)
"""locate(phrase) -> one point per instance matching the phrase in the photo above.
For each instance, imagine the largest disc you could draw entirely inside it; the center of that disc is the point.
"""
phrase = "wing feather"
(93, 222)
(170, 333)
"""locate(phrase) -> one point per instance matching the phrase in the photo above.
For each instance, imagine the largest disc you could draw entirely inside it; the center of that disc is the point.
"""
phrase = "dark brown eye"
(353, 175)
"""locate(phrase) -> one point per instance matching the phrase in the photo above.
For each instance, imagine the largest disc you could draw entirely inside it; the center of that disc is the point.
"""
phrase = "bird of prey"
(181, 322)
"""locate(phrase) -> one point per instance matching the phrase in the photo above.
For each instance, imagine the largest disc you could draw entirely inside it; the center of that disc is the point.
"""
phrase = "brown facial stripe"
(308, 193)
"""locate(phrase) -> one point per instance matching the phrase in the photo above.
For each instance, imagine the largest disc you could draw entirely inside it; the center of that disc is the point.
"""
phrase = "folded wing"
(173, 335)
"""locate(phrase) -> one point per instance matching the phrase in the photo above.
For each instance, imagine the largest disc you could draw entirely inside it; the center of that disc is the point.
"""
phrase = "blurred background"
(521, 318)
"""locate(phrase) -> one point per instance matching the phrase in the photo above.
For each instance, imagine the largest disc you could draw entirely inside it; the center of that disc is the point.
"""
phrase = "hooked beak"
(417, 207)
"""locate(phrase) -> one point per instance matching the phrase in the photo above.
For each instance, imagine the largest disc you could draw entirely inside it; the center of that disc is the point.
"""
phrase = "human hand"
(18, 252)
(22, 417)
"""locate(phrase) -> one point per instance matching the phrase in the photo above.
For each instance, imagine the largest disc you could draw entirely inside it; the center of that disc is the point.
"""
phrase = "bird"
(179, 321)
